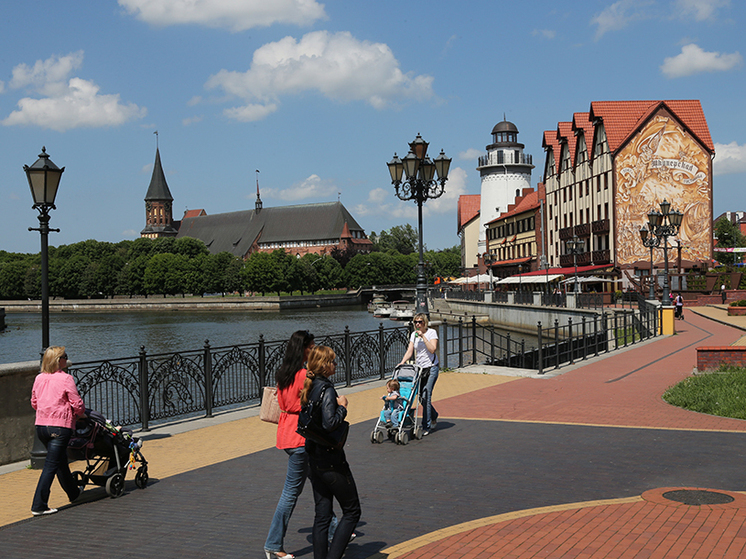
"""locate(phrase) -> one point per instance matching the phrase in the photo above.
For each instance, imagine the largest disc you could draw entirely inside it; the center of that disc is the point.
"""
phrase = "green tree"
(12, 279)
(401, 238)
(443, 263)
(131, 278)
(259, 273)
(70, 276)
(283, 261)
(190, 247)
(166, 274)
(728, 235)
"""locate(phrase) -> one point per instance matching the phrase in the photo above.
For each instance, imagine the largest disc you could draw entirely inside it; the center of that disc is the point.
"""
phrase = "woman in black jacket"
(330, 474)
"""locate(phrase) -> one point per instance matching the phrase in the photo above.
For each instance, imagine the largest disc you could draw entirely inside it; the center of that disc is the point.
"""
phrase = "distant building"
(302, 229)
(505, 173)
(515, 239)
(606, 169)
(468, 228)
(159, 205)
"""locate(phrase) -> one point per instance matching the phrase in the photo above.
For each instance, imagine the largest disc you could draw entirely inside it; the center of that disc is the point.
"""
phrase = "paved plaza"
(587, 461)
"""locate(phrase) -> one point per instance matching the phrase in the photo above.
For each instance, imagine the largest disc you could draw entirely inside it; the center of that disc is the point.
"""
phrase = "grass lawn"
(721, 393)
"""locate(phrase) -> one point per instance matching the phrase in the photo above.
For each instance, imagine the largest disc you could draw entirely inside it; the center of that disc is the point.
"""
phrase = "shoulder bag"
(310, 426)
(270, 410)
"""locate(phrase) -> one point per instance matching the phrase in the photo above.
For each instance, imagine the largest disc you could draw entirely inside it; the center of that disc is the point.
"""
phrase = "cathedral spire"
(258, 204)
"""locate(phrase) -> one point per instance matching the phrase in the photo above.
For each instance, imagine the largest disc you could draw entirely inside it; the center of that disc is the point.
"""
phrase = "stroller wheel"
(79, 478)
(115, 485)
(141, 478)
(417, 432)
(403, 438)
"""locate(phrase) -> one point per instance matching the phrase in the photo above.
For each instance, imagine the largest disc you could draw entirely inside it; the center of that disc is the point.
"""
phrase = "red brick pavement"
(649, 527)
(624, 389)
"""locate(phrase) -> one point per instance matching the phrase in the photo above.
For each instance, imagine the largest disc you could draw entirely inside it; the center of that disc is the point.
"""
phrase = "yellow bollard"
(667, 321)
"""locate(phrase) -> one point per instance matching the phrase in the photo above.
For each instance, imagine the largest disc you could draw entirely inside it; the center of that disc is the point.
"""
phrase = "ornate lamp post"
(419, 185)
(575, 246)
(665, 224)
(489, 260)
(44, 179)
(651, 243)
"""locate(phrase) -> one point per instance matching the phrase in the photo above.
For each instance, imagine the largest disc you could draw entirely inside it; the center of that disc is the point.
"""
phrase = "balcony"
(584, 258)
(565, 233)
(583, 230)
(601, 256)
(600, 226)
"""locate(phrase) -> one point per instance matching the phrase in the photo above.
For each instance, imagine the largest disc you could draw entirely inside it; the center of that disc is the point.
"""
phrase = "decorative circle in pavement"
(698, 497)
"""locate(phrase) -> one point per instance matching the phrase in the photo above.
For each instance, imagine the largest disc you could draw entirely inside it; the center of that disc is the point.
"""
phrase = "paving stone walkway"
(571, 465)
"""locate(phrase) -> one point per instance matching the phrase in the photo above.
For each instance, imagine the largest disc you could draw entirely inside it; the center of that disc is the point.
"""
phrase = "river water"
(94, 336)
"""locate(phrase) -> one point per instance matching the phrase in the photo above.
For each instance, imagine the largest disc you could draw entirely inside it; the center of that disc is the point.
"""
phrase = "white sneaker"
(43, 512)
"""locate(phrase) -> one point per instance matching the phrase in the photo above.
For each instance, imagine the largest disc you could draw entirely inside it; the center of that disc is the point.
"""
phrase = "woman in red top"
(57, 403)
(290, 378)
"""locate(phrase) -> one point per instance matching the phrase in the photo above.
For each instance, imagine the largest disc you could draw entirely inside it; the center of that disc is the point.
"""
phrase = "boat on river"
(383, 310)
(402, 310)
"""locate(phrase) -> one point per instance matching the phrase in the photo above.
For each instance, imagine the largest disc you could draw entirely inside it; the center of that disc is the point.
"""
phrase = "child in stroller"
(108, 452)
(407, 424)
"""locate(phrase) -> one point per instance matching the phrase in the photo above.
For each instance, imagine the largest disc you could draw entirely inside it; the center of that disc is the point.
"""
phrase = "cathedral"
(307, 228)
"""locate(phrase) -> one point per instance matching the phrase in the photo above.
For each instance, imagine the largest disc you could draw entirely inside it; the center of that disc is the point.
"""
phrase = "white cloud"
(470, 154)
(312, 187)
(384, 203)
(2, 86)
(546, 33)
(192, 120)
(701, 10)
(236, 15)
(694, 60)
(729, 158)
(337, 65)
(66, 103)
(618, 16)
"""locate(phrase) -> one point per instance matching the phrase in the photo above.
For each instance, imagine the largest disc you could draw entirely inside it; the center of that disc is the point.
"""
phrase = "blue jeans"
(55, 439)
(294, 482)
(426, 397)
(392, 416)
(328, 484)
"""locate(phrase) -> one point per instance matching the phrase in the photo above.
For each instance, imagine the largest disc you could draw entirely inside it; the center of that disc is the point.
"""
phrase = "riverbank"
(155, 303)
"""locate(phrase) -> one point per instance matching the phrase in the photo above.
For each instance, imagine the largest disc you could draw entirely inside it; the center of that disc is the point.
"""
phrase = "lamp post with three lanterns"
(664, 224)
(414, 179)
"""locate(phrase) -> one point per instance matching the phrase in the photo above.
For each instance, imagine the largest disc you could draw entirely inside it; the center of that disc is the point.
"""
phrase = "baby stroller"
(108, 452)
(409, 427)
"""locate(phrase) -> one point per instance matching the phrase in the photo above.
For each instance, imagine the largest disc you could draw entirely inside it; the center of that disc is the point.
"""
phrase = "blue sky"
(318, 97)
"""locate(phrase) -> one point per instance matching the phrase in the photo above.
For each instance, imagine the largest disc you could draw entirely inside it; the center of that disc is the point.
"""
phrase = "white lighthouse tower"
(505, 172)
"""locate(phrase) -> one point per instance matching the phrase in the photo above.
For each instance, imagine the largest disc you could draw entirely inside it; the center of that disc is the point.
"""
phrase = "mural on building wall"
(663, 162)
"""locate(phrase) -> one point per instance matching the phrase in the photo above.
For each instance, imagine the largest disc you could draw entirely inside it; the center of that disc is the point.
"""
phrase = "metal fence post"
(585, 339)
(595, 334)
(510, 353)
(572, 341)
(262, 365)
(445, 344)
(144, 396)
(473, 340)
(616, 330)
(381, 353)
(460, 342)
(624, 322)
(208, 380)
(347, 360)
(541, 349)
(556, 344)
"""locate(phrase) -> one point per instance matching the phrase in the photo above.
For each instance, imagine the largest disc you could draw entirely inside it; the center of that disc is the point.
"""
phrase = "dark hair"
(293, 362)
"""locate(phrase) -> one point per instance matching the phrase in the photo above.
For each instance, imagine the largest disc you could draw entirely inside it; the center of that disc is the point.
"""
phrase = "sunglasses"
(419, 322)
(64, 356)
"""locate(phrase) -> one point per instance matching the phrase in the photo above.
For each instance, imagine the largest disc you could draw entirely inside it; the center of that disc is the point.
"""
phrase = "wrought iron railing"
(465, 295)
(467, 343)
(136, 391)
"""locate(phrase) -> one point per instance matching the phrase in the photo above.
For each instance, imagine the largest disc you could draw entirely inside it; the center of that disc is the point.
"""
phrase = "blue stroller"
(409, 426)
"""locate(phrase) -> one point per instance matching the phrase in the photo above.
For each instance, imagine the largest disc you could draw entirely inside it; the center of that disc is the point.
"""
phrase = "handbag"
(270, 409)
(310, 427)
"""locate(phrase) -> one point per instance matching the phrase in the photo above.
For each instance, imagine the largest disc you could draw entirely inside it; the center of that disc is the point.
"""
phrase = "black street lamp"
(651, 243)
(575, 246)
(665, 224)
(489, 259)
(44, 179)
(419, 185)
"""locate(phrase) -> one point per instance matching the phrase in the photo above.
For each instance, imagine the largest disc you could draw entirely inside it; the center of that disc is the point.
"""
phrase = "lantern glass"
(665, 207)
(396, 168)
(411, 165)
(427, 170)
(644, 234)
(419, 147)
(44, 179)
(442, 165)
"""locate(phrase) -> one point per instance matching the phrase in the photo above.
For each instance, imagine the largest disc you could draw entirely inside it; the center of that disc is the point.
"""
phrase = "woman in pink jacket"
(58, 404)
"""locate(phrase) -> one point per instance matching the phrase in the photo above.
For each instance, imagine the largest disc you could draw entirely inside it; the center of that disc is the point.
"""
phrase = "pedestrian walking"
(58, 404)
(331, 476)
(723, 293)
(290, 378)
(423, 344)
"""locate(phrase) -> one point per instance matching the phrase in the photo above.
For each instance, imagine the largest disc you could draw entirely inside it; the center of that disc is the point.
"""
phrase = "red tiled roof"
(525, 203)
(564, 132)
(468, 208)
(622, 118)
(582, 122)
(194, 213)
